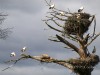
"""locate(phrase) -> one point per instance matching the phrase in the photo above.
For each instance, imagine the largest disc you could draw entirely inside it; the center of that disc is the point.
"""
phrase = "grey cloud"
(30, 6)
(25, 16)
(39, 70)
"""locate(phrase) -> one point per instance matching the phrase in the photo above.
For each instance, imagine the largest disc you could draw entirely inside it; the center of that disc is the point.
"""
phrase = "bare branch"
(8, 67)
(94, 26)
(92, 40)
(72, 37)
(57, 23)
(45, 59)
(47, 2)
(53, 40)
(59, 18)
(67, 47)
(67, 43)
(53, 28)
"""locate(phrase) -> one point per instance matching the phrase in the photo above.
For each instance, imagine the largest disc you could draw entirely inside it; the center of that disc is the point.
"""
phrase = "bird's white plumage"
(62, 13)
(52, 6)
(80, 9)
(78, 16)
(23, 49)
(12, 54)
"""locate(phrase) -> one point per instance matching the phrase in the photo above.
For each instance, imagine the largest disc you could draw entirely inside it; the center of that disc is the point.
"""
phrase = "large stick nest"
(77, 23)
(80, 65)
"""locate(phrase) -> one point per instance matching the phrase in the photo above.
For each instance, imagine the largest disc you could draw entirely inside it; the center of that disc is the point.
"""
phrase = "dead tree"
(72, 26)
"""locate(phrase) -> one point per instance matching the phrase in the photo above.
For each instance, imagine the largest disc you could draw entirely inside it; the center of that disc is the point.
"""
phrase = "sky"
(25, 17)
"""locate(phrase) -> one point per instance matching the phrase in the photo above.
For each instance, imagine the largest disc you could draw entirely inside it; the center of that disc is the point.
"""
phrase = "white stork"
(80, 9)
(23, 49)
(62, 13)
(13, 54)
(52, 6)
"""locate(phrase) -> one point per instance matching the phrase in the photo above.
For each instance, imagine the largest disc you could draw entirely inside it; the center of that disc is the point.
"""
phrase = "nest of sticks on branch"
(77, 23)
(80, 65)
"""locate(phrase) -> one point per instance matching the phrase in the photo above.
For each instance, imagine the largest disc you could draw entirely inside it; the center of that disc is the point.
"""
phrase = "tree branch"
(45, 59)
(59, 18)
(53, 28)
(57, 23)
(92, 40)
(67, 43)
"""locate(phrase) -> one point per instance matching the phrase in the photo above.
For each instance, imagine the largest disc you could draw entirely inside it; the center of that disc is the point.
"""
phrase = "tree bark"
(87, 72)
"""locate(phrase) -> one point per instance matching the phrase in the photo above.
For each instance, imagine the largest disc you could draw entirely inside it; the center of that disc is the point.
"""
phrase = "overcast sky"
(25, 16)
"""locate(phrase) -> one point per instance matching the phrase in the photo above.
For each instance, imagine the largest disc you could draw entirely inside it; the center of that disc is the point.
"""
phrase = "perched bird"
(12, 54)
(52, 6)
(80, 9)
(23, 49)
(45, 56)
(62, 13)
(94, 50)
(78, 16)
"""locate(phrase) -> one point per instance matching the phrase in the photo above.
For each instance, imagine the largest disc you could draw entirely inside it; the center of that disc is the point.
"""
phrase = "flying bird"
(52, 6)
(13, 54)
(94, 50)
(80, 9)
(23, 49)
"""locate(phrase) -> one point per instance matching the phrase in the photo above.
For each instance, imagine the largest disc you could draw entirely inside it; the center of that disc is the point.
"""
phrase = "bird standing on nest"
(61, 13)
(80, 9)
(52, 6)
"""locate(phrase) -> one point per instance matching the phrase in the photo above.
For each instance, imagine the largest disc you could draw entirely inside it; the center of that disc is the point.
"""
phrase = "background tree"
(4, 32)
(72, 27)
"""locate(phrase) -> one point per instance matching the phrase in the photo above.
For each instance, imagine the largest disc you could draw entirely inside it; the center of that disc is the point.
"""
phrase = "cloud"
(36, 70)
(29, 6)
(25, 16)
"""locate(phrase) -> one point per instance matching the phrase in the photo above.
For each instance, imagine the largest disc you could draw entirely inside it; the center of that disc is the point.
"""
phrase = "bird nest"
(77, 23)
(84, 64)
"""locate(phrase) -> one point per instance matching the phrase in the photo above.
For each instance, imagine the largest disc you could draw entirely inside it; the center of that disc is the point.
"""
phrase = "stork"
(62, 13)
(52, 6)
(23, 49)
(12, 54)
(80, 9)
